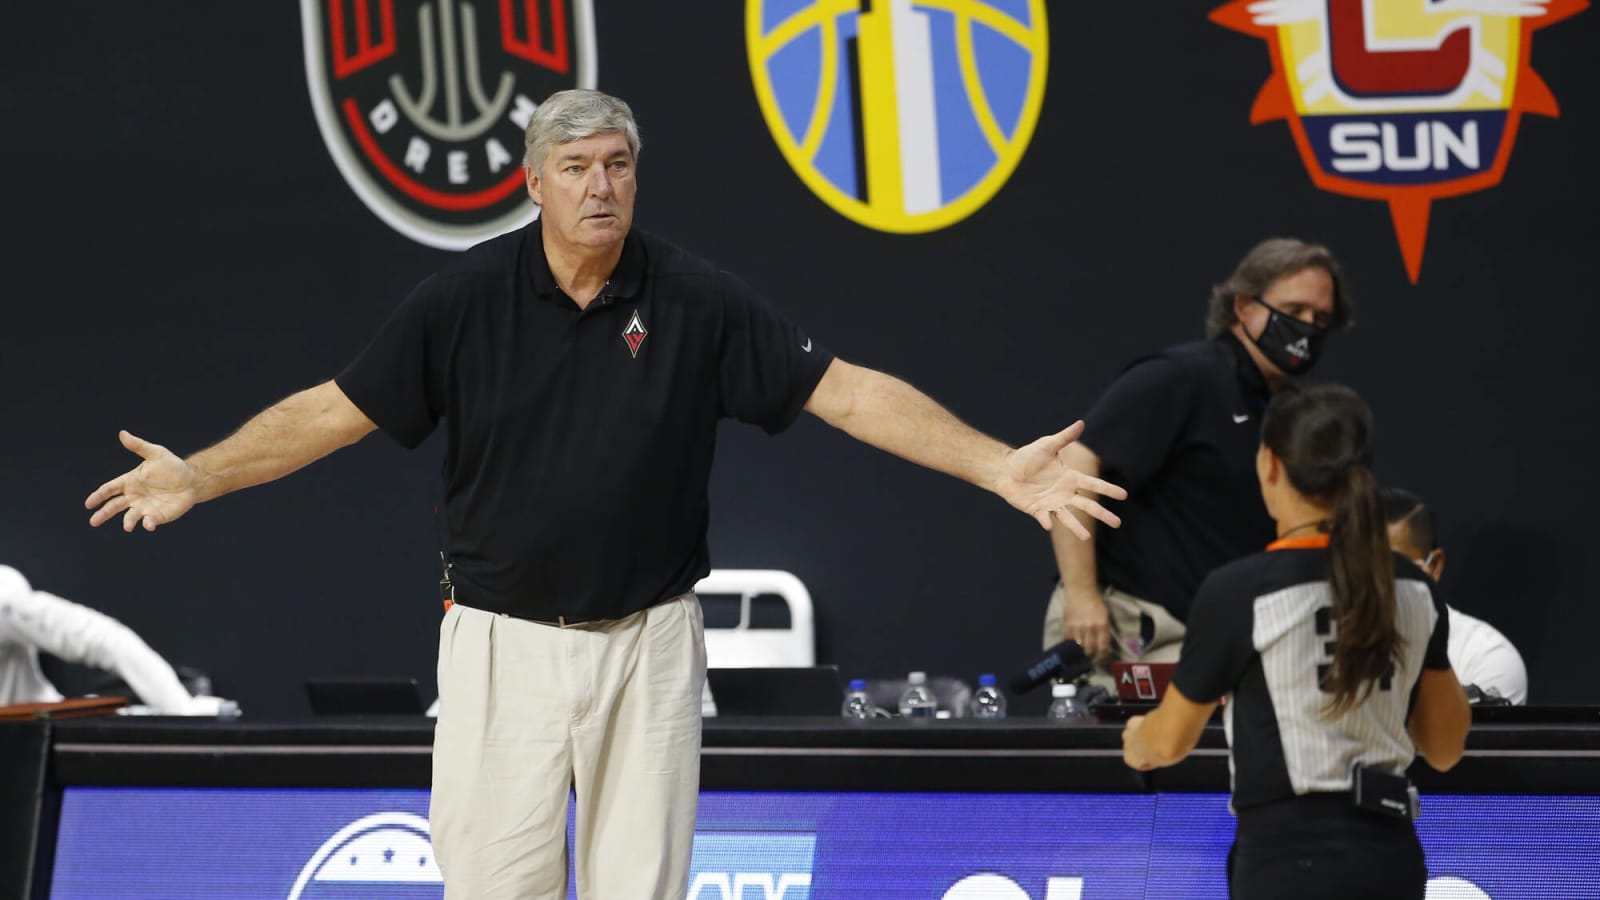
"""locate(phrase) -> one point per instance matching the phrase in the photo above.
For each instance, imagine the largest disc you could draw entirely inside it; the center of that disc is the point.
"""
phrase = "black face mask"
(1288, 343)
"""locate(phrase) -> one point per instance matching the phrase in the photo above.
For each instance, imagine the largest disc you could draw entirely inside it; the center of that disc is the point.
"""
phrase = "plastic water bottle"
(1065, 705)
(917, 701)
(987, 701)
(857, 705)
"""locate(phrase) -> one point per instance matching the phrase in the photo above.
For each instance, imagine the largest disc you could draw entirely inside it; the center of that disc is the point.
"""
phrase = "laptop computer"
(789, 691)
(1142, 682)
(364, 696)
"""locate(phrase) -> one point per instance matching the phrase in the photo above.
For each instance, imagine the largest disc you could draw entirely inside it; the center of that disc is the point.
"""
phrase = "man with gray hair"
(581, 368)
(1179, 429)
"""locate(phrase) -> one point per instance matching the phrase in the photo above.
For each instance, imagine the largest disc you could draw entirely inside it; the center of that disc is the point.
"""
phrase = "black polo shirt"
(580, 441)
(1180, 430)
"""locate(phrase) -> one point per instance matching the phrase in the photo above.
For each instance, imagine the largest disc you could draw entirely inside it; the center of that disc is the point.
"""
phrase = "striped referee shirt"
(1261, 634)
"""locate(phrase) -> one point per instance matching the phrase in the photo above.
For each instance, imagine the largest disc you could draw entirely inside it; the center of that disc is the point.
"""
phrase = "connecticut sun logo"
(423, 104)
(1406, 101)
(902, 115)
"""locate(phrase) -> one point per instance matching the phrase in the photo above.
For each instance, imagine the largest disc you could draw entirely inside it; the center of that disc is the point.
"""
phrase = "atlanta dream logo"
(423, 105)
(1405, 101)
(901, 116)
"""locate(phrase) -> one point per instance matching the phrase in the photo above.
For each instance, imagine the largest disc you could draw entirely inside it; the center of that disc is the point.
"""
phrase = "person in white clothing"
(1480, 654)
(31, 621)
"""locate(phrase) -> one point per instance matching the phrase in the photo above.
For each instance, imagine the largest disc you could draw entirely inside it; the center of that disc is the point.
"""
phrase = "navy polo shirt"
(580, 441)
(1180, 430)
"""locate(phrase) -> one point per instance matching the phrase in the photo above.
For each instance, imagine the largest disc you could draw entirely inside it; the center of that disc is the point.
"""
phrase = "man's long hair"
(1265, 264)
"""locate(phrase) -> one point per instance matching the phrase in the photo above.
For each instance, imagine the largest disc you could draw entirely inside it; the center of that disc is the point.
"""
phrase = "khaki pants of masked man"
(609, 711)
(1126, 613)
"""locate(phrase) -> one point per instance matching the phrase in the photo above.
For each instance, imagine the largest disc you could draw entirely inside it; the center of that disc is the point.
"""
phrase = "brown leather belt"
(557, 622)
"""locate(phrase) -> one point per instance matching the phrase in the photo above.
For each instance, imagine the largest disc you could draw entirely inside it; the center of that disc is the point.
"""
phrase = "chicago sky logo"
(423, 104)
(902, 116)
(1406, 101)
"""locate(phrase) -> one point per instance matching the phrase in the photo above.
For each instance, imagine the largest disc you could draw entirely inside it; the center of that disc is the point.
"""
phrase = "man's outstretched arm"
(298, 430)
(891, 415)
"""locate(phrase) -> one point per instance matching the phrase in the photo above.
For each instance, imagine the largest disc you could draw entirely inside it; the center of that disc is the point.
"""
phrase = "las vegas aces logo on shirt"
(634, 334)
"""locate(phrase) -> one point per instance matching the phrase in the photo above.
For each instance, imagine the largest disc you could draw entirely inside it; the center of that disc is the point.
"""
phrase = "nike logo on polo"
(1240, 418)
(806, 346)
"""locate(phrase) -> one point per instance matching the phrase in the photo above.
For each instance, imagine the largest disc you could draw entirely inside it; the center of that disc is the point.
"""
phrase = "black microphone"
(1065, 660)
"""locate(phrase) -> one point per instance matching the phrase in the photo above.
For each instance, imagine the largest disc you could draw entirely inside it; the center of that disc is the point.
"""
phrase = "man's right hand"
(1085, 620)
(161, 489)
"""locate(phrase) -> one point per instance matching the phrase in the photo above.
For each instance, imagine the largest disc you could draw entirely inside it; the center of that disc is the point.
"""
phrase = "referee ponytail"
(1323, 435)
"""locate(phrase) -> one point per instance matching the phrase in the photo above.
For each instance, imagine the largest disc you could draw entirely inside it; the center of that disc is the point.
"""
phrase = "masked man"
(1179, 430)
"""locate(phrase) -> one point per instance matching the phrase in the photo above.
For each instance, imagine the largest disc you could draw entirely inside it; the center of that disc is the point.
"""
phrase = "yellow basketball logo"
(903, 115)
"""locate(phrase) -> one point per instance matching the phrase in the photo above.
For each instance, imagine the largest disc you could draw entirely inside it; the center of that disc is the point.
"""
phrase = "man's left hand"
(1037, 481)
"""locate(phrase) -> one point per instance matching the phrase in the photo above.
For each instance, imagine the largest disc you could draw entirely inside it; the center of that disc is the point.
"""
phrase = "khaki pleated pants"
(1127, 615)
(607, 712)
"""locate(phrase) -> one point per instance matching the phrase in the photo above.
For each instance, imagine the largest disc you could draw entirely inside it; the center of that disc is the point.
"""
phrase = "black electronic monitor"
(788, 691)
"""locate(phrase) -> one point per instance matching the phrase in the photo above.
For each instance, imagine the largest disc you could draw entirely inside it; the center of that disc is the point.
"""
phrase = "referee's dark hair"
(1401, 505)
(1323, 434)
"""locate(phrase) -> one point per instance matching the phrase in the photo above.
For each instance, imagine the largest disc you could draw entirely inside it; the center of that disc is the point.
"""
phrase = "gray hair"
(1264, 265)
(569, 116)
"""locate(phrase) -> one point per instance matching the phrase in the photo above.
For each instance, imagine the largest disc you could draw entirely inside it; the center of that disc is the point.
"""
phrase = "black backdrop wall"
(181, 251)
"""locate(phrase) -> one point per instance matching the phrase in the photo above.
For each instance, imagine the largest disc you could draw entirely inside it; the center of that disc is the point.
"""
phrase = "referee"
(1330, 650)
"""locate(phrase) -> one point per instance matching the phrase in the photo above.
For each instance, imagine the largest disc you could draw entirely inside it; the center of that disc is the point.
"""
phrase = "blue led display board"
(279, 844)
